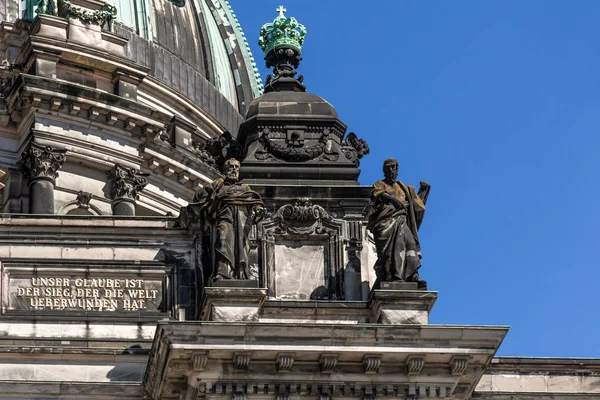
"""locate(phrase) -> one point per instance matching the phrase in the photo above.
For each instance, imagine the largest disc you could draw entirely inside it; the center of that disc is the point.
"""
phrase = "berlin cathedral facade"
(174, 227)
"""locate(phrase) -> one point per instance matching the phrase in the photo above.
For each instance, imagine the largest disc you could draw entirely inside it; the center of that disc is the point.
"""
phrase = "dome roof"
(198, 49)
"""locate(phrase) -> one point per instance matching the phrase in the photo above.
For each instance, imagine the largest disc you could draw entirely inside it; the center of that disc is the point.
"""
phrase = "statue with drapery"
(228, 209)
(394, 216)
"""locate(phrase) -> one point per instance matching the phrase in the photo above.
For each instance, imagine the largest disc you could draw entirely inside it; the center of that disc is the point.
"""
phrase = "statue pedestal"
(401, 307)
(232, 301)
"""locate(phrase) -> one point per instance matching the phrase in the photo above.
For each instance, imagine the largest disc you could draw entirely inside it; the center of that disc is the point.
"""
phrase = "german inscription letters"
(85, 294)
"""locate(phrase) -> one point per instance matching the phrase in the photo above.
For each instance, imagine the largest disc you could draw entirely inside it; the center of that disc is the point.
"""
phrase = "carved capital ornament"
(42, 162)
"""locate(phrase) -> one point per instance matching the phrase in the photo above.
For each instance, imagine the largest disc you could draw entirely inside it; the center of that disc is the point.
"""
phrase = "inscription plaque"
(84, 294)
(98, 291)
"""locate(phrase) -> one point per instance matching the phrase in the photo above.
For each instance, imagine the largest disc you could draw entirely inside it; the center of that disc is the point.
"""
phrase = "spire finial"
(281, 10)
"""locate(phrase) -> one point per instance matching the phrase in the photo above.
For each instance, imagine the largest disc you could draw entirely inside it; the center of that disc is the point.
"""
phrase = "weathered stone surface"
(234, 313)
(400, 317)
(397, 307)
(300, 270)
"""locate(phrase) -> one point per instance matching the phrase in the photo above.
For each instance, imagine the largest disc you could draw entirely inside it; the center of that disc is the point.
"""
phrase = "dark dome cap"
(291, 104)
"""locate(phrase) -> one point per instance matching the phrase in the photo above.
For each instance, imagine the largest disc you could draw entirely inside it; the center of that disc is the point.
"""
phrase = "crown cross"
(281, 10)
(282, 32)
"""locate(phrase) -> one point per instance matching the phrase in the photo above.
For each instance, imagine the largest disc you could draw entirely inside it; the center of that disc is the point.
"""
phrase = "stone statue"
(229, 208)
(394, 216)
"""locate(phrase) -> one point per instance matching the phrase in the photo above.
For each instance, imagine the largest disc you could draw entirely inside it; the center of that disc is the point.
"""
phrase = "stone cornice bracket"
(371, 363)
(285, 362)
(126, 182)
(328, 362)
(414, 364)
(241, 361)
(42, 162)
(458, 365)
(199, 362)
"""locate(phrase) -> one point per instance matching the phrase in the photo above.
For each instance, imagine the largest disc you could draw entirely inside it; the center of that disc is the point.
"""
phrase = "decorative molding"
(241, 361)
(304, 221)
(285, 362)
(296, 153)
(302, 218)
(239, 396)
(199, 362)
(371, 363)
(126, 182)
(83, 199)
(101, 17)
(458, 365)
(414, 365)
(328, 362)
(354, 148)
(42, 162)
(322, 390)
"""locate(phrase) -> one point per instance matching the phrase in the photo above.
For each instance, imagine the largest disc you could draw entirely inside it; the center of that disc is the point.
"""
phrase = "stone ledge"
(401, 307)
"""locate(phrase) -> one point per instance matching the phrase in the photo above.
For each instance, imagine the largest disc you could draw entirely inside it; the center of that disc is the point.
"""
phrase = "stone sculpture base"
(232, 301)
(401, 307)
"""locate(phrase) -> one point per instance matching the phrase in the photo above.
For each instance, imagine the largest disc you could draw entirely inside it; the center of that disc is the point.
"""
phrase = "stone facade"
(106, 263)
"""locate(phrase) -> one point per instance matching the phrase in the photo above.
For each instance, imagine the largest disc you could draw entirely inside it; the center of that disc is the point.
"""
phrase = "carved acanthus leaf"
(39, 162)
(126, 182)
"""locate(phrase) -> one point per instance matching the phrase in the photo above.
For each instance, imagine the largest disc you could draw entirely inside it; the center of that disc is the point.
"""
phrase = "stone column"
(126, 184)
(40, 164)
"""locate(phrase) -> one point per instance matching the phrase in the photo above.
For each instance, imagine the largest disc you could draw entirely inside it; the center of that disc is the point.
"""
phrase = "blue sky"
(496, 105)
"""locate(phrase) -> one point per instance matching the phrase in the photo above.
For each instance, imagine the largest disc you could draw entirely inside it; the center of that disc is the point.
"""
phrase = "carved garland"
(298, 154)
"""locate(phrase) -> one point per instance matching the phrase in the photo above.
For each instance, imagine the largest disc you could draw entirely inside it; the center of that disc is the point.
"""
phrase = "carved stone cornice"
(126, 182)
(42, 162)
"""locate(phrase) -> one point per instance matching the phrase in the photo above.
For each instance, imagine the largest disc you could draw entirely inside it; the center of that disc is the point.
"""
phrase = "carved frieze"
(42, 162)
(126, 182)
(293, 148)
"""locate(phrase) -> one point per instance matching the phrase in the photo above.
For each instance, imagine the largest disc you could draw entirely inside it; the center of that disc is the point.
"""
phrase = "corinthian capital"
(42, 162)
(126, 182)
